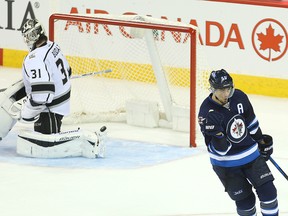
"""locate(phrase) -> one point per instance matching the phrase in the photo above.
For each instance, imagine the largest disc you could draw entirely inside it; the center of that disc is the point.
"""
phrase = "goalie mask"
(220, 79)
(32, 30)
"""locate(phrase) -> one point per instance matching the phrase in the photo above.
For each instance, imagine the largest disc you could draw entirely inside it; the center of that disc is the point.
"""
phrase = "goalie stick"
(278, 167)
(72, 77)
(92, 73)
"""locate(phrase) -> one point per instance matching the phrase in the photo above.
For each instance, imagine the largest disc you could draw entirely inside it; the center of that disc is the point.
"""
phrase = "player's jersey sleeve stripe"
(60, 99)
(253, 126)
(239, 159)
(43, 87)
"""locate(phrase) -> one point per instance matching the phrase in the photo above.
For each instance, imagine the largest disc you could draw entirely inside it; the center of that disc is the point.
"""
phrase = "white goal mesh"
(151, 60)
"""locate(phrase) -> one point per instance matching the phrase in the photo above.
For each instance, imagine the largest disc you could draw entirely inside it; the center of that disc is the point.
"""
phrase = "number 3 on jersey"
(60, 63)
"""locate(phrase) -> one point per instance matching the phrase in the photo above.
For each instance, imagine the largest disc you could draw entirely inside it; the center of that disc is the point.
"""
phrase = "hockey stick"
(278, 167)
(92, 73)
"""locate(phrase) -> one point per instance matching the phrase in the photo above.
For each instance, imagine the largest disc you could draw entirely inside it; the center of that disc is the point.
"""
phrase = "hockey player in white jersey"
(46, 79)
(46, 75)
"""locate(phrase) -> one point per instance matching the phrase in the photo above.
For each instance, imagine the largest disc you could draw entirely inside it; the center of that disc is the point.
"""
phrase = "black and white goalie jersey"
(240, 129)
(46, 74)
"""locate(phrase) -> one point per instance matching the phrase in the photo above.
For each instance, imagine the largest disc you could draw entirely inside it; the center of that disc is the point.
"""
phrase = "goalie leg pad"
(67, 144)
(102, 137)
(99, 145)
(33, 144)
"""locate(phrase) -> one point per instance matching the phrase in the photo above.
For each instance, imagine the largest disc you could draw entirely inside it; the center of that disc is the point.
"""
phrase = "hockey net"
(151, 60)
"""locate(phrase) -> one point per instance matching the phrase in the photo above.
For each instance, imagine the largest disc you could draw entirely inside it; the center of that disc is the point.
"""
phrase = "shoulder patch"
(32, 55)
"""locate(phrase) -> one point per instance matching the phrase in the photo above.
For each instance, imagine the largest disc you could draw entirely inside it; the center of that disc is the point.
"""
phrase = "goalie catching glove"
(265, 146)
(24, 111)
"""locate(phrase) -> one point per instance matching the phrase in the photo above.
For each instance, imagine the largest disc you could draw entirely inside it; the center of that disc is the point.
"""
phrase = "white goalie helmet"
(31, 32)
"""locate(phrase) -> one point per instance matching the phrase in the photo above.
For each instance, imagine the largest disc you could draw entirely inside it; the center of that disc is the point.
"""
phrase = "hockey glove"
(265, 146)
(24, 111)
(31, 113)
(213, 124)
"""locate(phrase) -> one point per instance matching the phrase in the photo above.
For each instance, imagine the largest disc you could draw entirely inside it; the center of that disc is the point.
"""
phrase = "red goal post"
(92, 42)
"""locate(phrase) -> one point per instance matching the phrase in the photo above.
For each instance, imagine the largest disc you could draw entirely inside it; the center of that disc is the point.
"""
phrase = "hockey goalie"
(35, 144)
(42, 97)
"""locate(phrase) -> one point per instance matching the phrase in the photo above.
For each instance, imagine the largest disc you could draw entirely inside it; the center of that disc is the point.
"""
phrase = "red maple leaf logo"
(270, 41)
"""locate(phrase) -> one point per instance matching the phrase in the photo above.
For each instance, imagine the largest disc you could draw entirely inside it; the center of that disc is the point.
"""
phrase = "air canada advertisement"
(245, 45)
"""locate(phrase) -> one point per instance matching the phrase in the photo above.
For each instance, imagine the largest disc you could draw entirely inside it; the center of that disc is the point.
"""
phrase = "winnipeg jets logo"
(236, 129)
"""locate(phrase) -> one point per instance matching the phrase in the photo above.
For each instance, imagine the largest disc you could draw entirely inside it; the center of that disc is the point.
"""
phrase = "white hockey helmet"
(31, 32)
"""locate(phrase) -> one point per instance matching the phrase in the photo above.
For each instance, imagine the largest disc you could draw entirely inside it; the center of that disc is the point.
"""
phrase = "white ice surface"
(150, 176)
